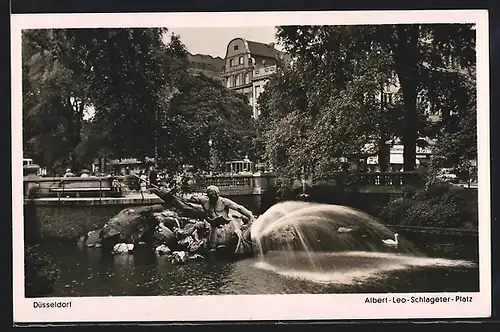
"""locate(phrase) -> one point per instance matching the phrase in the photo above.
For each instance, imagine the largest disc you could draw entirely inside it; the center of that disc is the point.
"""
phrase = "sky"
(213, 41)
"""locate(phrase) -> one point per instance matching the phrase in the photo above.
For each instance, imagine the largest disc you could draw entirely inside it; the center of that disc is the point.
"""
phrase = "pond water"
(449, 266)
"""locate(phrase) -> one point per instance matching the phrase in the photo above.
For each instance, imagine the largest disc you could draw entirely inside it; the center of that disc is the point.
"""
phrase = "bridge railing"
(103, 186)
(225, 181)
(394, 179)
(71, 186)
(375, 179)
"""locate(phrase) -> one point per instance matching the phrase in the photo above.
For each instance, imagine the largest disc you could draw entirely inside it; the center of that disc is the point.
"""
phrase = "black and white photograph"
(251, 166)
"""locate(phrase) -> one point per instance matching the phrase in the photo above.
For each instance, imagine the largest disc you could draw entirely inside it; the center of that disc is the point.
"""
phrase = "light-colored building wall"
(248, 66)
(205, 64)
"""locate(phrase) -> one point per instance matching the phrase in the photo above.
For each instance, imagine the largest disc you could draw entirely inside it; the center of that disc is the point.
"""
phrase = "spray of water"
(312, 227)
(331, 243)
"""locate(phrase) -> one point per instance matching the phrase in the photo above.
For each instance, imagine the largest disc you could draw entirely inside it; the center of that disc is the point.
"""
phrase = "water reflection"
(91, 272)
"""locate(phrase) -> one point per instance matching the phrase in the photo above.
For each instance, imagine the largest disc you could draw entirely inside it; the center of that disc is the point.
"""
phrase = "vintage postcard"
(251, 166)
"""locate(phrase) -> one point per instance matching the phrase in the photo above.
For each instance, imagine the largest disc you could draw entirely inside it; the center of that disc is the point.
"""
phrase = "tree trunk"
(383, 149)
(384, 152)
(406, 57)
(74, 118)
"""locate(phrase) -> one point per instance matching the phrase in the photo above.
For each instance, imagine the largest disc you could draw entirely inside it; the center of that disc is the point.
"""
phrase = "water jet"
(332, 243)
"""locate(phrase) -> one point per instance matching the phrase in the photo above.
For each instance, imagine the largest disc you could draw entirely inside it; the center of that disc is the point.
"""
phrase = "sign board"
(399, 148)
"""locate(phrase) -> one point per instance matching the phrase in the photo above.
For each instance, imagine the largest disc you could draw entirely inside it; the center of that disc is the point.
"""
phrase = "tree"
(202, 109)
(125, 75)
(128, 83)
(54, 97)
(311, 117)
(456, 132)
(414, 50)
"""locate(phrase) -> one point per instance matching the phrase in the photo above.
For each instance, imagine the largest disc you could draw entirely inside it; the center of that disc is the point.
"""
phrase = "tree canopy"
(331, 101)
(204, 110)
(142, 101)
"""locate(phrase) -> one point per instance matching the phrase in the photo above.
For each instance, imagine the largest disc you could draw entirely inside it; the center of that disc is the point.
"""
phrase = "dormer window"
(235, 47)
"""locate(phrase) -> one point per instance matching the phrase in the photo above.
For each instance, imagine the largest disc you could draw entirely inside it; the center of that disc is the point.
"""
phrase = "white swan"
(391, 242)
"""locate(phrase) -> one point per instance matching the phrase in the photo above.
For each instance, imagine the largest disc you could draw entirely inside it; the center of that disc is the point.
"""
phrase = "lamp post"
(472, 163)
(210, 153)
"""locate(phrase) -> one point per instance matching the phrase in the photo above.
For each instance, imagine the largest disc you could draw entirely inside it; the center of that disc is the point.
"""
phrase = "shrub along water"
(40, 274)
(437, 205)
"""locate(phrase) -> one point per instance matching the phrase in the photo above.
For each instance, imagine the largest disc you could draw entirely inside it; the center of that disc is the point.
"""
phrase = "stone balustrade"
(234, 184)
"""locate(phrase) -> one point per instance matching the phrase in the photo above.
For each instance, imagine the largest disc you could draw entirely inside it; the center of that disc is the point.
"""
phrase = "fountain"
(304, 226)
(332, 244)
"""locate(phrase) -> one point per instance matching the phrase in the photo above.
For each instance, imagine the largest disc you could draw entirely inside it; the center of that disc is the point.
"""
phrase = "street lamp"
(210, 152)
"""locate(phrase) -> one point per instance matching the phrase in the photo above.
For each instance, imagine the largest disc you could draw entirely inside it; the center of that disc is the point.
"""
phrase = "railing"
(377, 179)
(72, 186)
(394, 179)
(107, 186)
(225, 181)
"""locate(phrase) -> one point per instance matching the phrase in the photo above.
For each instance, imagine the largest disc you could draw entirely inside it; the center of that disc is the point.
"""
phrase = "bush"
(435, 206)
(40, 274)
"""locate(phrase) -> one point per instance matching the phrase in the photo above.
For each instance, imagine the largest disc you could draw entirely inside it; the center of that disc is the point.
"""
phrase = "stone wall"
(66, 220)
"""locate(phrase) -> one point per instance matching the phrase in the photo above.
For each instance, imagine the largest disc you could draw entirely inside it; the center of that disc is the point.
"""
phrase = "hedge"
(435, 206)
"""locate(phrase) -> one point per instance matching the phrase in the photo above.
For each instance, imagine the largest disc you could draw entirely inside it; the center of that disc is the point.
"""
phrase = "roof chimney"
(271, 45)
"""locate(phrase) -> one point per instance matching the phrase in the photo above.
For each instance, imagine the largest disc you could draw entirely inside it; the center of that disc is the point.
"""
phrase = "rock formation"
(170, 231)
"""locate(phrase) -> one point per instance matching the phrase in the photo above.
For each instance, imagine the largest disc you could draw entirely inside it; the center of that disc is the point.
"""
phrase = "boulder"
(179, 257)
(177, 228)
(164, 235)
(131, 225)
(163, 250)
(93, 239)
(190, 245)
(168, 218)
(121, 248)
(195, 257)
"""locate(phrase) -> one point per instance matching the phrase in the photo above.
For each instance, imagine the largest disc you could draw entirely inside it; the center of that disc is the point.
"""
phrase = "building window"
(235, 47)
(238, 80)
(231, 63)
(247, 78)
(257, 92)
(228, 82)
(241, 60)
(387, 98)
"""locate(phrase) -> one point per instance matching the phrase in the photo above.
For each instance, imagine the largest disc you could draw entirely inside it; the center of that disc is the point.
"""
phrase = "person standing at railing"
(143, 177)
(68, 173)
(97, 172)
(153, 176)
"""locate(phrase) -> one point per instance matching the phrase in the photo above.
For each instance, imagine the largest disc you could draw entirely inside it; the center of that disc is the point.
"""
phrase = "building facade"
(248, 66)
(205, 64)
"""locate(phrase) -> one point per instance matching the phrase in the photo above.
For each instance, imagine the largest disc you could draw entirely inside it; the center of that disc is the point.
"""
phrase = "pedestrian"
(153, 176)
(68, 173)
